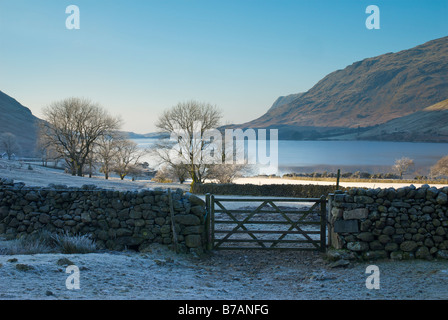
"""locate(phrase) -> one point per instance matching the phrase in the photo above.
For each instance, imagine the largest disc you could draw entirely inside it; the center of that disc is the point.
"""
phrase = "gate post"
(212, 222)
(208, 234)
(323, 223)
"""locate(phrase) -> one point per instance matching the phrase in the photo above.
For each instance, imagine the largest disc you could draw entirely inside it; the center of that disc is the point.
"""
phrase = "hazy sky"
(137, 58)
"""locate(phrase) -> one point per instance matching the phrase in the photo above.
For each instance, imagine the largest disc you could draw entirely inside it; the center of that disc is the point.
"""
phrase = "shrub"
(163, 175)
(74, 244)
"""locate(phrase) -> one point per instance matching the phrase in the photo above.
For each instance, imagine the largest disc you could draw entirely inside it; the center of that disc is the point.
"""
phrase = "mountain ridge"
(368, 92)
(20, 121)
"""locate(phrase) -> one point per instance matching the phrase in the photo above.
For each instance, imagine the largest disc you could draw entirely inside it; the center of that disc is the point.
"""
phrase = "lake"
(371, 156)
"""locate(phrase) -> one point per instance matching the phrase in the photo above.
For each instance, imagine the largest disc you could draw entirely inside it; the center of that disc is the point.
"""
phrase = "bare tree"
(169, 167)
(180, 171)
(224, 172)
(91, 163)
(440, 168)
(188, 120)
(73, 126)
(402, 166)
(46, 150)
(135, 171)
(8, 143)
(127, 156)
(172, 172)
(107, 151)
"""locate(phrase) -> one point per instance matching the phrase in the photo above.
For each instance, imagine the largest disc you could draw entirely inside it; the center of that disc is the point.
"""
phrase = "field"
(43, 176)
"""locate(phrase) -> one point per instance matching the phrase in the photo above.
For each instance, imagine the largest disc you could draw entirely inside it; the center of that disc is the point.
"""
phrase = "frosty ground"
(163, 275)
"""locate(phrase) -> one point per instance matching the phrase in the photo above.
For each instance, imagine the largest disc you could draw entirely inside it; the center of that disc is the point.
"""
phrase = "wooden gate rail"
(215, 205)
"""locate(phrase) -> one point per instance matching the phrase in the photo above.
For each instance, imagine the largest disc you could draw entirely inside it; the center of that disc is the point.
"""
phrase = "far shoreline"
(357, 184)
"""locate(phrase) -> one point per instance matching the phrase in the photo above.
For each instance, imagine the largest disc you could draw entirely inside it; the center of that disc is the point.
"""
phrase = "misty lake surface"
(350, 153)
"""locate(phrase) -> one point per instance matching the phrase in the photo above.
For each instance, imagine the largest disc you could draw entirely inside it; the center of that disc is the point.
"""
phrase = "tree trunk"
(79, 173)
(90, 170)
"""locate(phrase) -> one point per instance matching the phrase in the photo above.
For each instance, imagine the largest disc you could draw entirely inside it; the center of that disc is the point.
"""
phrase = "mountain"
(18, 120)
(284, 100)
(430, 124)
(367, 93)
(151, 135)
(132, 135)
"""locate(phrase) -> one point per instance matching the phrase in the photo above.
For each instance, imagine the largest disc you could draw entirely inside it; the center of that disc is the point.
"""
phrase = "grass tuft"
(47, 242)
(69, 244)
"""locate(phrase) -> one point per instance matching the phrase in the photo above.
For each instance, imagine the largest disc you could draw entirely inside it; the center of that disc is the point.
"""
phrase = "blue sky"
(137, 58)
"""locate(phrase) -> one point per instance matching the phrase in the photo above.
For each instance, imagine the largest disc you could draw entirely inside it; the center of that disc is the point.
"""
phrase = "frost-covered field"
(43, 176)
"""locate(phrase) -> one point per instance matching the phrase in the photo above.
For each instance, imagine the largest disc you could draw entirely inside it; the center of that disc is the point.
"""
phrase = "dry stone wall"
(115, 220)
(402, 223)
(270, 190)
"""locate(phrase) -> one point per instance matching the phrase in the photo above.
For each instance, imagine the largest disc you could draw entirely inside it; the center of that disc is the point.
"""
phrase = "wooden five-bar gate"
(235, 223)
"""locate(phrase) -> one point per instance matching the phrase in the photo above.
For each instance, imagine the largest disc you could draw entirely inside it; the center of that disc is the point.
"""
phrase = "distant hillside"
(152, 135)
(367, 93)
(18, 120)
(430, 124)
